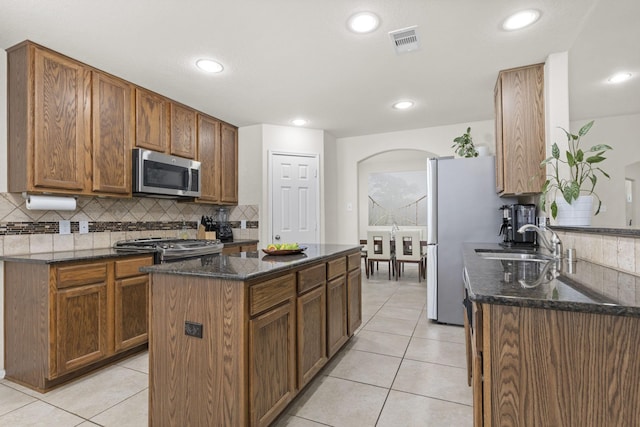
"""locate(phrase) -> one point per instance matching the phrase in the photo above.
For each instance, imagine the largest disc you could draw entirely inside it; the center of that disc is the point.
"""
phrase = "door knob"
(277, 237)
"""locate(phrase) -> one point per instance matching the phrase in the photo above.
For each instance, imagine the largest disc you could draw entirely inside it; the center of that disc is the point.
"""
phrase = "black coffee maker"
(513, 217)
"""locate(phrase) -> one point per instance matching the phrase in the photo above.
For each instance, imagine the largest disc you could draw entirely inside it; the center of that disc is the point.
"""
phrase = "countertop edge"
(603, 307)
(71, 256)
(166, 269)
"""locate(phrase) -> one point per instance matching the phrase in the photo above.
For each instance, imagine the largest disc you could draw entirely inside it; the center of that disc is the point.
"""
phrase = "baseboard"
(2, 373)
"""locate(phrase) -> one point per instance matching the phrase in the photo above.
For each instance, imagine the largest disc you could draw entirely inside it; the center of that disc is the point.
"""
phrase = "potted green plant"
(464, 145)
(578, 190)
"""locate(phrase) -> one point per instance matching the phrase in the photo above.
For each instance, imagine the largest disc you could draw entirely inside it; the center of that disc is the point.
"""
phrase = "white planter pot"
(578, 213)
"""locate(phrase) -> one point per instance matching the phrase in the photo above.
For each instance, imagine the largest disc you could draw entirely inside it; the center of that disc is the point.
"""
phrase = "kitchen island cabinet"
(65, 316)
(561, 350)
(234, 338)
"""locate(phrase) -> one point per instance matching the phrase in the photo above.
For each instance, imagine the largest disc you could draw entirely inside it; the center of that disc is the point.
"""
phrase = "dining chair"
(379, 250)
(364, 255)
(409, 250)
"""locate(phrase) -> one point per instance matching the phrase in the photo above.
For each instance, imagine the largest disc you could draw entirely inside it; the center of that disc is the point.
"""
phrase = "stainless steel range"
(168, 250)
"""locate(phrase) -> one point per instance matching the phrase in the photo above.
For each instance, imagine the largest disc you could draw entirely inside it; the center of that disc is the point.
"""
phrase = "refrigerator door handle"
(432, 282)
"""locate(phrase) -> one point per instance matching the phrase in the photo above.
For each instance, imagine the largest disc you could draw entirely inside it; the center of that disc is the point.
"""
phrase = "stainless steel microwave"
(159, 174)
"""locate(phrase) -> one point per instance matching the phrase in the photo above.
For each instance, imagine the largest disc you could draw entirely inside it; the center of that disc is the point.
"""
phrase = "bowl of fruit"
(283, 249)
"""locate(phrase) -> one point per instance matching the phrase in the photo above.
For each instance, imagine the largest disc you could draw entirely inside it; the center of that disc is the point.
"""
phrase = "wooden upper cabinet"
(71, 129)
(209, 157)
(520, 130)
(183, 131)
(49, 129)
(152, 121)
(229, 164)
(113, 133)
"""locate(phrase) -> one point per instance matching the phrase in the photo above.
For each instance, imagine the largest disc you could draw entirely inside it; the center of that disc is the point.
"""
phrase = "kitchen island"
(551, 342)
(234, 338)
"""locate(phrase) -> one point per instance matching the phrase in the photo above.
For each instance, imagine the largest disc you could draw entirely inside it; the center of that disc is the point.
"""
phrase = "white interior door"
(294, 199)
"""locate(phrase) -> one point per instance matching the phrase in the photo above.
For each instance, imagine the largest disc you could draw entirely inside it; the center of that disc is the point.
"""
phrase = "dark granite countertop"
(633, 232)
(249, 265)
(67, 256)
(240, 242)
(557, 285)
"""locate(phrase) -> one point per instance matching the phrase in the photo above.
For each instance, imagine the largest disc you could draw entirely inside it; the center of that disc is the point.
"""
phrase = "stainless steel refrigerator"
(462, 206)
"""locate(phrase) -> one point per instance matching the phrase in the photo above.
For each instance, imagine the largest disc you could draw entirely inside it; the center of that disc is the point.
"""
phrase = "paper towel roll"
(50, 203)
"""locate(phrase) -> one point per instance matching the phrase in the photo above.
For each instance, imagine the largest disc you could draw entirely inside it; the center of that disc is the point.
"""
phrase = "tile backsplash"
(110, 220)
(620, 253)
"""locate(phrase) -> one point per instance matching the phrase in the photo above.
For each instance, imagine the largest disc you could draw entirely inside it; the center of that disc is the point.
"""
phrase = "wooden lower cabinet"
(354, 298)
(131, 312)
(312, 333)
(262, 341)
(70, 317)
(540, 367)
(81, 326)
(272, 365)
(336, 314)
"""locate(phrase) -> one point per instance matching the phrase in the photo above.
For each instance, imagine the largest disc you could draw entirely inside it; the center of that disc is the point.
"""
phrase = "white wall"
(390, 161)
(255, 143)
(350, 151)
(250, 165)
(3, 184)
(618, 132)
(328, 209)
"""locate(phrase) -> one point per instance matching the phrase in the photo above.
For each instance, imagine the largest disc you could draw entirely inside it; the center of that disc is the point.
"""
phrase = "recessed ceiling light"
(209, 65)
(521, 19)
(403, 105)
(619, 77)
(299, 122)
(363, 22)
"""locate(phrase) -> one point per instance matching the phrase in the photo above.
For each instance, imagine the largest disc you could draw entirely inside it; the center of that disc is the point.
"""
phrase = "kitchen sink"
(513, 256)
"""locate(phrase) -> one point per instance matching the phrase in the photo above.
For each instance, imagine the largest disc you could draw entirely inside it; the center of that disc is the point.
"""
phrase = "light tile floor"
(398, 370)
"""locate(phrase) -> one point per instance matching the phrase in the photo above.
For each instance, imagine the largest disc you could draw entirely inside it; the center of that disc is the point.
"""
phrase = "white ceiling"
(289, 58)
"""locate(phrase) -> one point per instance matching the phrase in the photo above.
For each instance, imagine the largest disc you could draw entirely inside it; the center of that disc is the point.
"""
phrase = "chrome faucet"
(554, 245)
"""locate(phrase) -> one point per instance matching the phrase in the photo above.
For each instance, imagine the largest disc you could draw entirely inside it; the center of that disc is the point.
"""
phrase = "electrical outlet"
(193, 329)
(84, 227)
(243, 224)
(64, 227)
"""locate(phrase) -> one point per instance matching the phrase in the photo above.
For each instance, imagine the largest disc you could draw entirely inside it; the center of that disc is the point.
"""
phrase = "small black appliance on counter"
(220, 225)
(513, 217)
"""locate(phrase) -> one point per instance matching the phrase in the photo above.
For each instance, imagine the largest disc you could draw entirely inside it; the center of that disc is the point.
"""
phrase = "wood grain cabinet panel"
(312, 334)
(541, 367)
(49, 129)
(152, 121)
(131, 312)
(209, 156)
(520, 130)
(354, 299)
(81, 326)
(272, 363)
(229, 164)
(183, 131)
(337, 331)
(113, 133)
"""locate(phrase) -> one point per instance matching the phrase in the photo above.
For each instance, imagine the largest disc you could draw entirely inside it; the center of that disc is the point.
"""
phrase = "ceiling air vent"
(405, 40)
